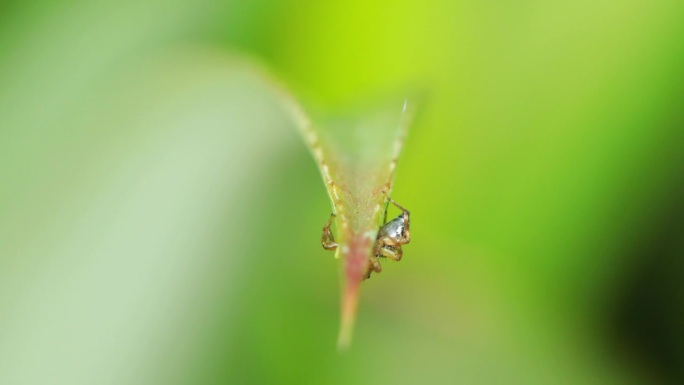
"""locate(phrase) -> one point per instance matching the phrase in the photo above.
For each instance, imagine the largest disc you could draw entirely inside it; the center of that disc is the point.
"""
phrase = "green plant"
(357, 157)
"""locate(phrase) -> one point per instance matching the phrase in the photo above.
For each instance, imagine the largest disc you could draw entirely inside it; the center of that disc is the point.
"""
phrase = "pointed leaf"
(357, 157)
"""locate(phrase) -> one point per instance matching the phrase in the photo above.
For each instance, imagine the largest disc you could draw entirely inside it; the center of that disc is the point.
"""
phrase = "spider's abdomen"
(393, 229)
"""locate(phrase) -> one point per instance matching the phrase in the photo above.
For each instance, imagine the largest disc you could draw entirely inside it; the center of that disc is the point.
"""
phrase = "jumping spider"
(388, 243)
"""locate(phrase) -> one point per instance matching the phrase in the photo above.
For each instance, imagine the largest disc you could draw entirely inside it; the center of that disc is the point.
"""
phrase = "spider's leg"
(327, 239)
(374, 264)
(394, 253)
(384, 221)
(398, 205)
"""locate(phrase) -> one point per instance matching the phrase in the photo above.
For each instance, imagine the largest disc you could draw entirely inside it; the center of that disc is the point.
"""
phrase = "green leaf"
(357, 156)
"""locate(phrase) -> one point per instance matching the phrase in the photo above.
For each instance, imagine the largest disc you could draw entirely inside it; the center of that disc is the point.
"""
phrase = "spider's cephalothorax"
(388, 243)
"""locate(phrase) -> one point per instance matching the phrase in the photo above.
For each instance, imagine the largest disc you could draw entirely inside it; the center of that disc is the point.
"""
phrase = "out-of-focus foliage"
(160, 217)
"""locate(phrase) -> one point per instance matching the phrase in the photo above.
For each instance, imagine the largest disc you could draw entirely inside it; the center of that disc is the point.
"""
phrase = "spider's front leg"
(327, 239)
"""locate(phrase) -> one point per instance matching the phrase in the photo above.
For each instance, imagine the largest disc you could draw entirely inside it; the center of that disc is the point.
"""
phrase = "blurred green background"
(160, 216)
